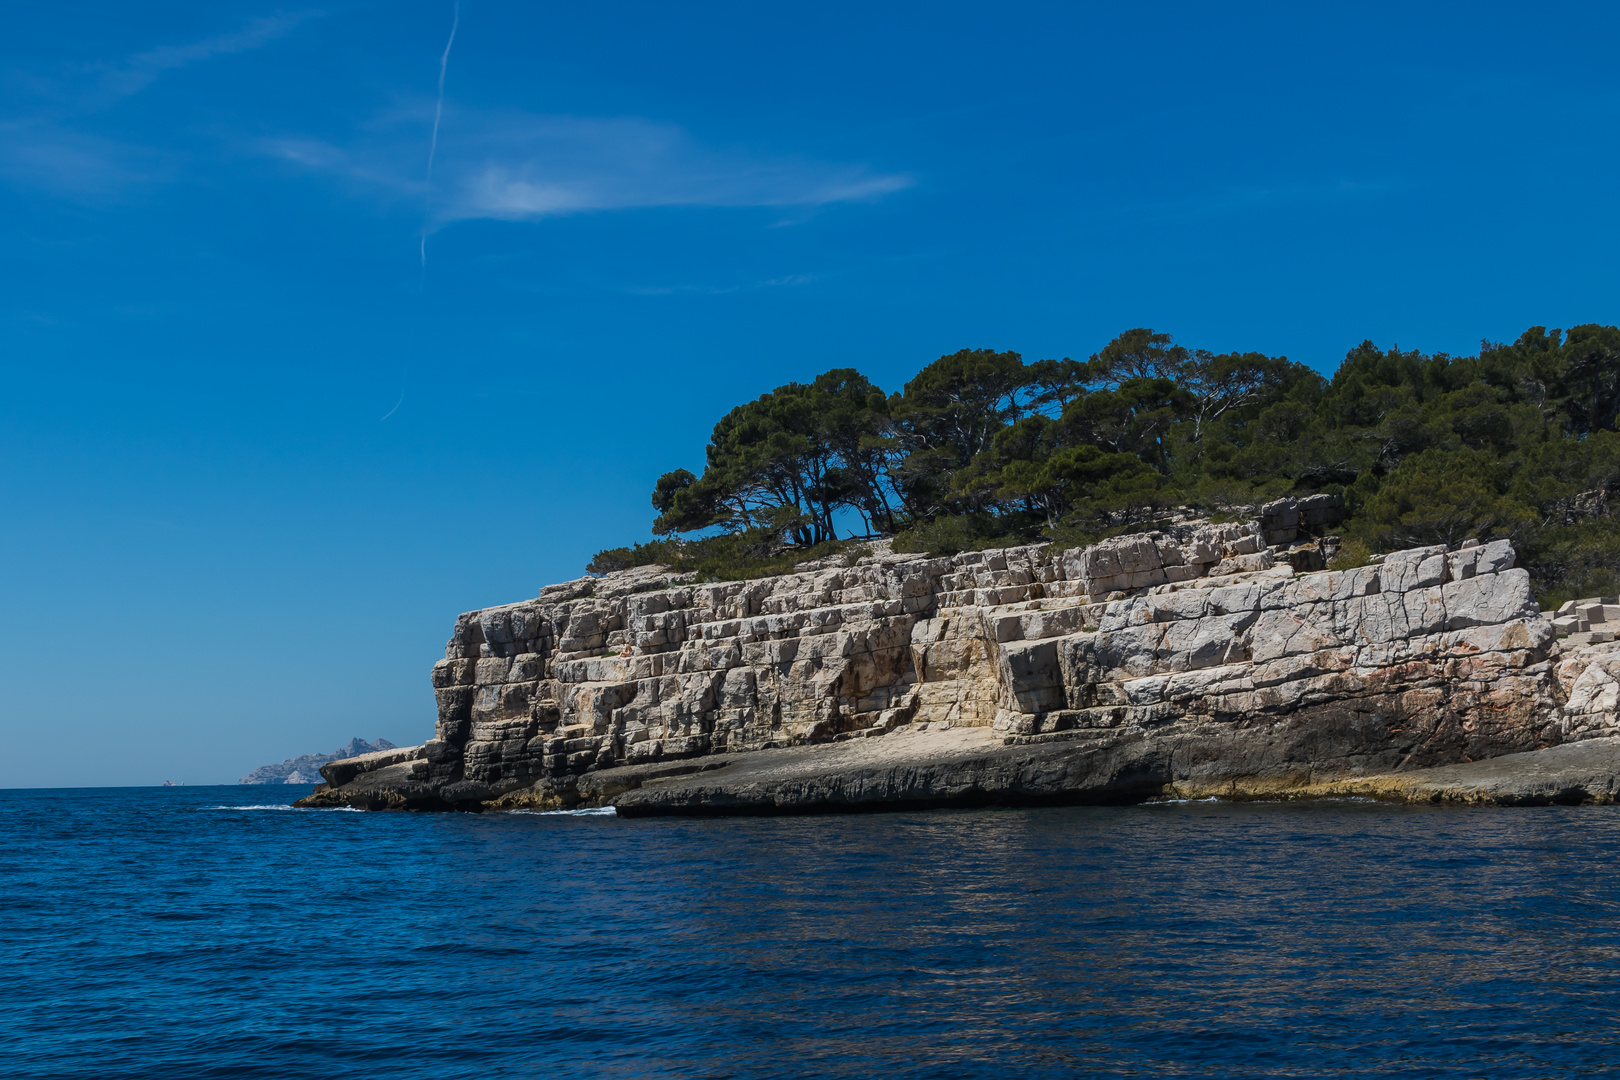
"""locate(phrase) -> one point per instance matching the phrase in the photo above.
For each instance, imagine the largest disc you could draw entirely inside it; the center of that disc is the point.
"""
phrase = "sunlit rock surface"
(1194, 661)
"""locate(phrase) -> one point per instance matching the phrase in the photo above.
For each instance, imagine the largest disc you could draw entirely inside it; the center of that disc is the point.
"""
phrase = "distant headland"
(306, 769)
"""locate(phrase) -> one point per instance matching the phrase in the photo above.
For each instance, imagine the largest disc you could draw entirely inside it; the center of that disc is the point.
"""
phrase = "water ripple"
(149, 934)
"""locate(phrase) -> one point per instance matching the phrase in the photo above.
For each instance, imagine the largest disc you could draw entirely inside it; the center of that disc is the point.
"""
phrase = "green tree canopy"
(982, 448)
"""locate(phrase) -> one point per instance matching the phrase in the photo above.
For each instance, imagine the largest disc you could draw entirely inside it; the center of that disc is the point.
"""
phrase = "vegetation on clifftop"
(982, 449)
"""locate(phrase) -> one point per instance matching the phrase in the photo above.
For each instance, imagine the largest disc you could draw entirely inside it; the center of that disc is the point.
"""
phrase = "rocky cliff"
(1206, 658)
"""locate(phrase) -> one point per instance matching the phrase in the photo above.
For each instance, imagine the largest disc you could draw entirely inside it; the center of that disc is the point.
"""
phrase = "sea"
(218, 932)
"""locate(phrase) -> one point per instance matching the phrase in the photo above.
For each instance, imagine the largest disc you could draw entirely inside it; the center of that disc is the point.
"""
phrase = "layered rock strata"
(1195, 660)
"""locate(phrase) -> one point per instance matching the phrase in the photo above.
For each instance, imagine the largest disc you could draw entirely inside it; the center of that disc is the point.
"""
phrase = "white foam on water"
(1264, 802)
(595, 811)
(287, 806)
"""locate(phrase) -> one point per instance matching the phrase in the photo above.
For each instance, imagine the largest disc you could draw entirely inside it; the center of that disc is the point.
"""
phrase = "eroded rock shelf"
(1205, 659)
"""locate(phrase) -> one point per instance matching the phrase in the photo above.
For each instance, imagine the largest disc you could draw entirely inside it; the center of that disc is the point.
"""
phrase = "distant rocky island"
(307, 769)
(1204, 659)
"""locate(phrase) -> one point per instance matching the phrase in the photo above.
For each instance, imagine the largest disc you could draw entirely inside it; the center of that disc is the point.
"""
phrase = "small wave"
(1262, 801)
(594, 811)
(289, 806)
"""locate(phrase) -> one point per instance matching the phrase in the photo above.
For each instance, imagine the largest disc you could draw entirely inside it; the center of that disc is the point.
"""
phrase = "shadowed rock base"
(1137, 771)
(1583, 773)
(971, 768)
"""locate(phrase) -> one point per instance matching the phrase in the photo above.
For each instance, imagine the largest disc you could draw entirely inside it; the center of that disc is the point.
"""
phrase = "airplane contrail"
(394, 410)
(438, 112)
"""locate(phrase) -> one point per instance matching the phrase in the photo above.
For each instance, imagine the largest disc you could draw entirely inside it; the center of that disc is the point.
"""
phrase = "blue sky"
(256, 451)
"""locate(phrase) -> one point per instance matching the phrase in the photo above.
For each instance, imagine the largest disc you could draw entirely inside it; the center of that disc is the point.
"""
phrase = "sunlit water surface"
(214, 932)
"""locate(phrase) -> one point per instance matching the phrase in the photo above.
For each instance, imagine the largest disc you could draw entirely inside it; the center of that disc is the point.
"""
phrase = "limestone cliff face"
(1200, 646)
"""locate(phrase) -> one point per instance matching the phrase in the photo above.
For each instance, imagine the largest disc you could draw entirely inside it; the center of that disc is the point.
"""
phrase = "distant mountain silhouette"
(307, 769)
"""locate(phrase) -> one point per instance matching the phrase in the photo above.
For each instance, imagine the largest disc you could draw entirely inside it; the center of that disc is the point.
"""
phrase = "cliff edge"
(1194, 661)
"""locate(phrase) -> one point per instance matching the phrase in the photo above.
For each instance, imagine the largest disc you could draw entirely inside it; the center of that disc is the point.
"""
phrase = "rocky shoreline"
(1204, 660)
(973, 770)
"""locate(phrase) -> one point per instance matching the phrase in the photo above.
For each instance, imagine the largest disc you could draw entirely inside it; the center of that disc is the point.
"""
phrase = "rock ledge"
(1205, 659)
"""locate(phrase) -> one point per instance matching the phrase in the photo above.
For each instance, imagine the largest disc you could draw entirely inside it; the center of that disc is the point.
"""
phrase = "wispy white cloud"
(518, 166)
(63, 161)
(490, 165)
(363, 169)
(135, 73)
(51, 147)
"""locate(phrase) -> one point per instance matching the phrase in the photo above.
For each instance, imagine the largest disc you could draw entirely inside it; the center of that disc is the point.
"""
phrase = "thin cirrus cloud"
(49, 147)
(524, 167)
(135, 73)
(61, 161)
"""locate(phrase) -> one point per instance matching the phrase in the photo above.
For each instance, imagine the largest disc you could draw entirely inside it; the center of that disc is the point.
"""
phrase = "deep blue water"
(184, 933)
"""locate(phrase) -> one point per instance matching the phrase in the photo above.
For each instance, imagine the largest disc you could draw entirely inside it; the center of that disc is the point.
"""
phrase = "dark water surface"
(187, 932)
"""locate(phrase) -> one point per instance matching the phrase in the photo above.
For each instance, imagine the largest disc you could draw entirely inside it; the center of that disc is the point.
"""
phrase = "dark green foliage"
(1578, 561)
(1442, 497)
(948, 415)
(726, 557)
(792, 458)
(981, 449)
(951, 533)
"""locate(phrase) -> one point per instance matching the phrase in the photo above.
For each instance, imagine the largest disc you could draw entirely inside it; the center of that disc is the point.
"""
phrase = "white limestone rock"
(1427, 654)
